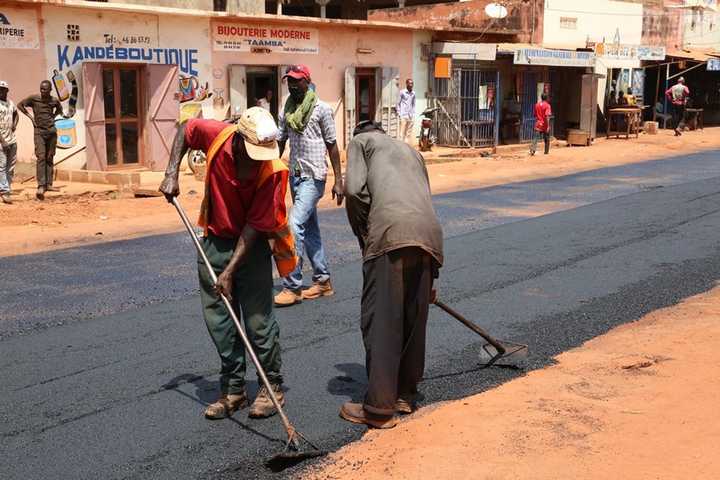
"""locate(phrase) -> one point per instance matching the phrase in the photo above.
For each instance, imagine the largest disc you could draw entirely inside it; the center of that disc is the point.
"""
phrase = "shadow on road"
(206, 392)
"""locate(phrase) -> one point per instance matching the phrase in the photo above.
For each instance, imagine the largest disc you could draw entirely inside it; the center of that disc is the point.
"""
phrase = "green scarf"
(298, 116)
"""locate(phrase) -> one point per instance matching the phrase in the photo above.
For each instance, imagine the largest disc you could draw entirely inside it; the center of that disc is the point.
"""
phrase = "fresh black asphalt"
(106, 365)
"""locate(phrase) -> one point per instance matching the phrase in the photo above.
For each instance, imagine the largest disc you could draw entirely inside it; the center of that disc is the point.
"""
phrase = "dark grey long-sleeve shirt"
(388, 198)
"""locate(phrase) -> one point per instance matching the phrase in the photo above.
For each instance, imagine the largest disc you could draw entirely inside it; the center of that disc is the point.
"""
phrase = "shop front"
(122, 80)
(353, 70)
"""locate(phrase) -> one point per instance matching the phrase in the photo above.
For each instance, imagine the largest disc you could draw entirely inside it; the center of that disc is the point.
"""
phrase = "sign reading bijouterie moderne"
(562, 58)
(18, 28)
(280, 39)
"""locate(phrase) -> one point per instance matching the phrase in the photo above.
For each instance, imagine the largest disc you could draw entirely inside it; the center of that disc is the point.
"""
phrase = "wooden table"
(632, 116)
(699, 113)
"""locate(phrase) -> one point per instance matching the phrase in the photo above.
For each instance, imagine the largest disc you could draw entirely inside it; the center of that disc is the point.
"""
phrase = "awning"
(696, 55)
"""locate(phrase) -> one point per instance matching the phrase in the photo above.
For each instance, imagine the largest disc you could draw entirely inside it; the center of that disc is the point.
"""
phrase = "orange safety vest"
(281, 239)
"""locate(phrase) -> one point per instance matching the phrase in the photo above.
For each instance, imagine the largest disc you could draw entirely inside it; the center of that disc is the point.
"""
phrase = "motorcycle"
(427, 139)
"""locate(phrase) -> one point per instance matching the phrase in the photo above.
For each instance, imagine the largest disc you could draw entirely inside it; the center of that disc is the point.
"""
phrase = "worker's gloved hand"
(224, 284)
(170, 188)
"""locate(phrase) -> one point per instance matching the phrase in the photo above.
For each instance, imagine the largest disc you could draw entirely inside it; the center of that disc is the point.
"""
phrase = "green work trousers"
(253, 303)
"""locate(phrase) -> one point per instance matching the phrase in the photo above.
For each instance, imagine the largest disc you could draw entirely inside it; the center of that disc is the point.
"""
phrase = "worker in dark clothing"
(390, 210)
(45, 108)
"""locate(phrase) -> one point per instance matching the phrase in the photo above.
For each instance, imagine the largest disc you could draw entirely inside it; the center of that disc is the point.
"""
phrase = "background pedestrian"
(45, 108)
(8, 143)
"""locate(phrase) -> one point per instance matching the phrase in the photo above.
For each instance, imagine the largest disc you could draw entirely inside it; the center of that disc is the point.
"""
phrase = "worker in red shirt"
(542, 124)
(243, 208)
(678, 95)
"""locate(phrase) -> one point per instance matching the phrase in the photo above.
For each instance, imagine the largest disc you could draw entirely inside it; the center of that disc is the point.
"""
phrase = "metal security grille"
(529, 96)
(467, 106)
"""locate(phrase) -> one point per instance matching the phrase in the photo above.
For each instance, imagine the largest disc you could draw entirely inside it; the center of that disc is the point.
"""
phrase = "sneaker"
(263, 406)
(6, 198)
(288, 297)
(40, 194)
(318, 289)
(355, 413)
(404, 406)
(226, 405)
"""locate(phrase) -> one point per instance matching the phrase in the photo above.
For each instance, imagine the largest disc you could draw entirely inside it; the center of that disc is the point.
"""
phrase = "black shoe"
(40, 194)
(51, 189)
(6, 198)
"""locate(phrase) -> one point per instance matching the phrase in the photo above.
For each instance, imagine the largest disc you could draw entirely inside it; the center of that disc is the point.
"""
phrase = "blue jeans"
(306, 193)
(8, 156)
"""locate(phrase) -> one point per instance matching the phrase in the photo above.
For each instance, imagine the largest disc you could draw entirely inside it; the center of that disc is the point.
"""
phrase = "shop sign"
(561, 58)
(260, 39)
(18, 28)
(713, 65)
(616, 51)
(466, 51)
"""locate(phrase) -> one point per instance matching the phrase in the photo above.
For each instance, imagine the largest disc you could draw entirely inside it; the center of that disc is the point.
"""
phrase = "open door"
(163, 113)
(588, 104)
(238, 90)
(283, 92)
(387, 115)
(349, 103)
(96, 150)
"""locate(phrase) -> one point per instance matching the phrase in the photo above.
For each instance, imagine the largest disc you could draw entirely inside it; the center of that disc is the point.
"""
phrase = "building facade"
(126, 75)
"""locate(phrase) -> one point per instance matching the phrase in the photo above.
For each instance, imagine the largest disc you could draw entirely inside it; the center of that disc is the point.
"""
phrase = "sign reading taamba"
(244, 38)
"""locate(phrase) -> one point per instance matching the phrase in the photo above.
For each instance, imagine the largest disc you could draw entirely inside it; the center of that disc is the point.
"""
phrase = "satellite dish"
(495, 10)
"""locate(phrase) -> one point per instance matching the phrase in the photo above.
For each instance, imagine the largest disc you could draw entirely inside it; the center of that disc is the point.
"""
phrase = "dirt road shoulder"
(639, 402)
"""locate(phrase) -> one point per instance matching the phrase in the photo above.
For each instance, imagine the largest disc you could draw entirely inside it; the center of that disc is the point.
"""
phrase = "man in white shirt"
(266, 101)
(8, 144)
(406, 110)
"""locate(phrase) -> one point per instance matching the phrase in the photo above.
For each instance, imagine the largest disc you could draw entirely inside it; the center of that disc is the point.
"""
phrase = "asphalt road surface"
(106, 365)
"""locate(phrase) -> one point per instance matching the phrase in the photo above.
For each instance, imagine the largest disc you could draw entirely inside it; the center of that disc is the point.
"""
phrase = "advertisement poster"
(259, 39)
(19, 28)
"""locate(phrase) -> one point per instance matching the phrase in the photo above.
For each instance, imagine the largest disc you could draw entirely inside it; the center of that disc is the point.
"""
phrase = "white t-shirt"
(7, 111)
(263, 103)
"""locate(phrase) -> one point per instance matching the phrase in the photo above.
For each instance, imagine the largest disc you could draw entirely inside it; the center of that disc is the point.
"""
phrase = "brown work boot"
(263, 406)
(6, 198)
(288, 297)
(318, 289)
(404, 406)
(226, 405)
(355, 413)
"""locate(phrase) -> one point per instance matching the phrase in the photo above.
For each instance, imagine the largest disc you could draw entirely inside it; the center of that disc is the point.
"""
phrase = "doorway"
(123, 124)
(365, 99)
(262, 88)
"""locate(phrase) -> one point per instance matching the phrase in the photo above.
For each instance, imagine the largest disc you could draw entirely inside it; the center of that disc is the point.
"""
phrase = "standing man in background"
(542, 124)
(8, 144)
(678, 95)
(309, 125)
(45, 108)
(406, 110)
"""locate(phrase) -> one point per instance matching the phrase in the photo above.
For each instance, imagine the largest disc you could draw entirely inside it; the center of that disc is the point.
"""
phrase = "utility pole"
(323, 7)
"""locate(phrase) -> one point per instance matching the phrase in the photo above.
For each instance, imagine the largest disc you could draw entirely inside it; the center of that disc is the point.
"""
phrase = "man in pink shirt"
(542, 124)
(678, 95)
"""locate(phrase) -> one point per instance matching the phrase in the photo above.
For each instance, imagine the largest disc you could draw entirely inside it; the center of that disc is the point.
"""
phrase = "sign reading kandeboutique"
(265, 39)
(562, 58)
(185, 58)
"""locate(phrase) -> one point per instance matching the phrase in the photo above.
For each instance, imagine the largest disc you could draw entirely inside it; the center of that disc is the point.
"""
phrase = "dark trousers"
(45, 143)
(253, 298)
(394, 311)
(546, 138)
(678, 113)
